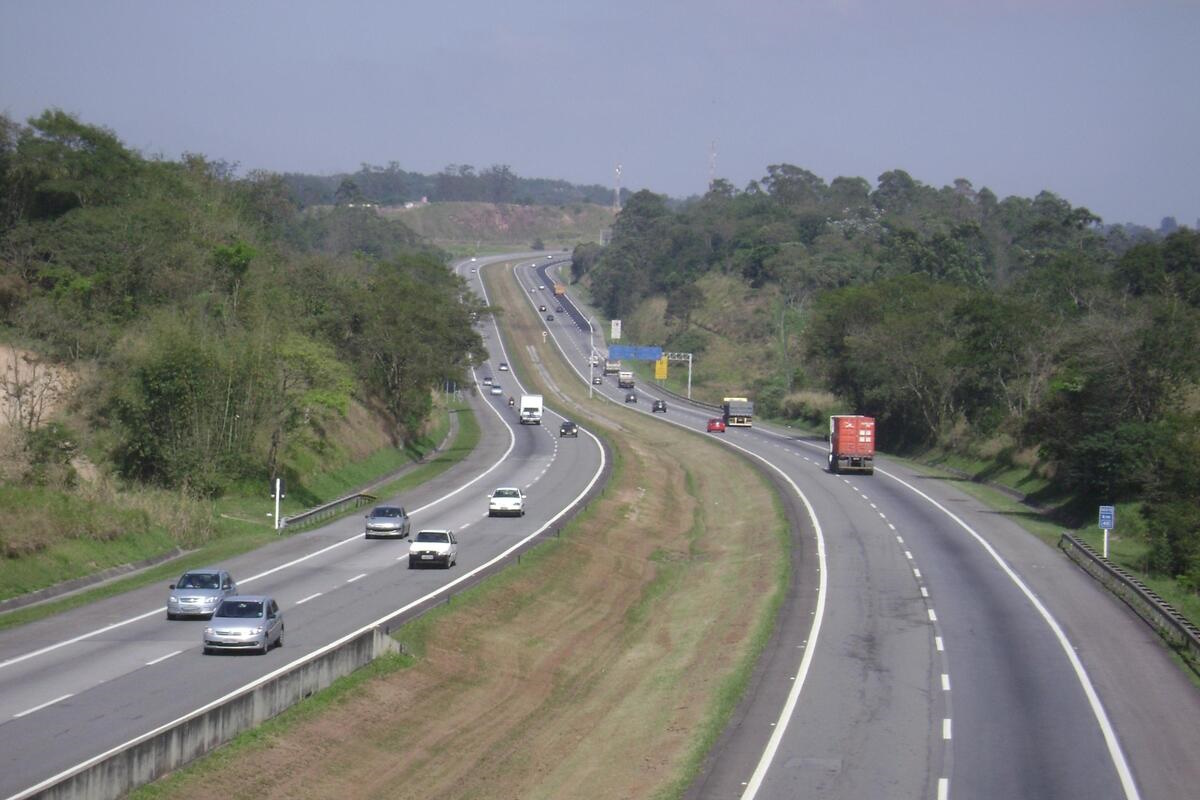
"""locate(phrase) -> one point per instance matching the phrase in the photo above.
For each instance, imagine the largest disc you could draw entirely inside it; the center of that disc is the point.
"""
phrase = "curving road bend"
(75, 685)
(944, 652)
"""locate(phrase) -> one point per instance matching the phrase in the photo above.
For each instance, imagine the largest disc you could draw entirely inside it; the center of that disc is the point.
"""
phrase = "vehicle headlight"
(208, 631)
(259, 629)
(172, 599)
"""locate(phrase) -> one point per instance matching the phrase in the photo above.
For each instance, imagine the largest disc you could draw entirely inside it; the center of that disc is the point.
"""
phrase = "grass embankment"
(476, 228)
(603, 665)
(236, 523)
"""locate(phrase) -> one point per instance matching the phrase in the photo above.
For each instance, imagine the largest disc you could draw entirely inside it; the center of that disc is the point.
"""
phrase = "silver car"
(198, 592)
(389, 521)
(245, 622)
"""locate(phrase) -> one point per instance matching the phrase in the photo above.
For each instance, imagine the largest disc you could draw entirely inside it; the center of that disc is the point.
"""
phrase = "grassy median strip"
(603, 665)
(236, 535)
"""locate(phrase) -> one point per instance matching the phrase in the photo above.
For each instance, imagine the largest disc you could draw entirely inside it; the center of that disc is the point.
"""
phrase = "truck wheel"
(832, 465)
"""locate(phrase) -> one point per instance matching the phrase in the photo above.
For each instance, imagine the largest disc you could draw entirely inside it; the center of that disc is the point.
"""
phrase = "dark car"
(631, 398)
(558, 309)
(568, 428)
(549, 318)
(659, 405)
(541, 308)
(387, 521)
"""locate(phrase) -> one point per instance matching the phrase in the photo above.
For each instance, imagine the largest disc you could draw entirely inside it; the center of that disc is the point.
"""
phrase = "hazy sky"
(1096, 100)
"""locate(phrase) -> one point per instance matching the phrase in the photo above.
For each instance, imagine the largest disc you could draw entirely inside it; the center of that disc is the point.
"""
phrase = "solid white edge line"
(29, 711)
(334, 644)
(163, 658)
(1124, 773)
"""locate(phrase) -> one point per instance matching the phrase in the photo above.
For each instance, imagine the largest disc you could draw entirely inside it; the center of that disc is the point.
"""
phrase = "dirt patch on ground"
(593, 670)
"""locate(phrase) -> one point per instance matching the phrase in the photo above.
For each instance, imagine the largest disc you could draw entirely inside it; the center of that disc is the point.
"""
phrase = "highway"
(942, 652)
(929, 647)
(74, 685)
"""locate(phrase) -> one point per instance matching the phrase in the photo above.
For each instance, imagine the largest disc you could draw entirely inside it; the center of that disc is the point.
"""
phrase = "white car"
(437, 546)
(507, 501)
(497, 389)
(503, 366)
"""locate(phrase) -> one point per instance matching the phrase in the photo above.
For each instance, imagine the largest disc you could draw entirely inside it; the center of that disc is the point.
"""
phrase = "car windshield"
(242, 609)
(200, 580)
(388, 512)
(433, 536)
(507, 493)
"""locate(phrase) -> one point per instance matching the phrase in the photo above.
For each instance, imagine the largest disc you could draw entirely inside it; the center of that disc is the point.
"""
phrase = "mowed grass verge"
(239, 525)
(603, 665)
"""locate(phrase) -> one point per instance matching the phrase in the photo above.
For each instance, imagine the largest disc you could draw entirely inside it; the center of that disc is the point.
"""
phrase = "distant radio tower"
(712, 163)
(617, 190)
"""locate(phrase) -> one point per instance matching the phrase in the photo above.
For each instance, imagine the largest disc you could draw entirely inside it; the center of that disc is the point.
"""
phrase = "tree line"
(391, 185)
(954, 317)
(212, 320)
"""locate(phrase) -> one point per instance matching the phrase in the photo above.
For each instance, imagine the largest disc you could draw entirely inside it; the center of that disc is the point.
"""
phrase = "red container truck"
(852, 444)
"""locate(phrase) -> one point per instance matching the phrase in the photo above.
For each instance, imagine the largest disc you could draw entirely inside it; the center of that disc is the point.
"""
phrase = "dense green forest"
(392, 185)
(958, 319)
(208, 322)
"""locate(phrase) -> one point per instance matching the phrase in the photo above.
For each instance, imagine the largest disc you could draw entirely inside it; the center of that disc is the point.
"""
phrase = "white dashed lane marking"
(357, 578)
(945, 682)
(48, 703)
(162, 658)
(937, 642)
(311, 597)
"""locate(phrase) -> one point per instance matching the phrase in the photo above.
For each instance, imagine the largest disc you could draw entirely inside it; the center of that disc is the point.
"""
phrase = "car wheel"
(208, 651)
(368, 536)
(170, 615)
(279, 641)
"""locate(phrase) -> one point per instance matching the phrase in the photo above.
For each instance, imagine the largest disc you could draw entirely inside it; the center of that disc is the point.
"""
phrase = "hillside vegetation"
(1019, 331)
(473, 226)
(206, 335)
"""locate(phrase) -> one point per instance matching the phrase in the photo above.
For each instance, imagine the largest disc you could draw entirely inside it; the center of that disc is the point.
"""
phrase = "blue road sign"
(634, 352)
(1108, 518)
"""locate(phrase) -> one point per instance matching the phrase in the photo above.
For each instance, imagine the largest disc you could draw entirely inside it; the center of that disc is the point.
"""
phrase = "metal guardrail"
(330, 509)
(684, 399)
(1176, 629)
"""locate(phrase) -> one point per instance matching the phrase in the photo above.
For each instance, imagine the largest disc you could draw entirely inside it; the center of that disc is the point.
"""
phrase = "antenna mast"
(617, 190)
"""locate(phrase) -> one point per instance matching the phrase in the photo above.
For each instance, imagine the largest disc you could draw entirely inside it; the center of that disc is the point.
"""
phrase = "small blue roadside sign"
(1108, 518)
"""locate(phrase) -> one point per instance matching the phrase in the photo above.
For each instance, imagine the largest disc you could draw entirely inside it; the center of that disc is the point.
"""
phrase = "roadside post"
(1108, 522)
(591, 355)
(277, 493)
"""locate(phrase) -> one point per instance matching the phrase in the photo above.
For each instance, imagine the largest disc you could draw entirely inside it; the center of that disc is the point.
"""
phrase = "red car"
(716, 425)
